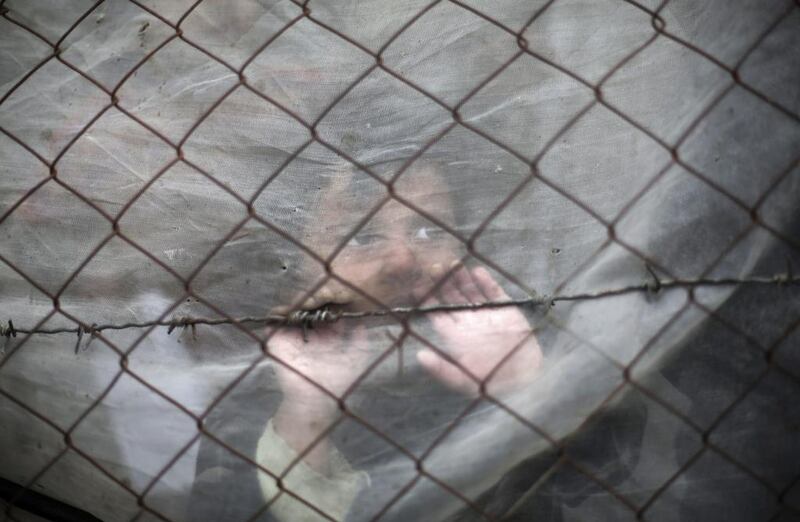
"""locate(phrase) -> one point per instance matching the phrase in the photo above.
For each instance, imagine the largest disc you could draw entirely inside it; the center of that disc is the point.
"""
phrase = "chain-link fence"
(425, 260)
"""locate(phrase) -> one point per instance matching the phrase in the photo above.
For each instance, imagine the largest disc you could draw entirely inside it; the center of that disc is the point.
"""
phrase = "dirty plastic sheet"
(201, 191)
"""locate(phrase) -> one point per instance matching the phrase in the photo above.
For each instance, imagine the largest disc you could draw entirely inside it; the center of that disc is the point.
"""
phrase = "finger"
(446, 372)
(442, 269)
(436, 271)
(312, 302)
(280, 310)
(449, 295)
(343, 295)
(450, 292)
(439, 319)
(488, 285)
(467, 286)
(424, 295)
(325, 295)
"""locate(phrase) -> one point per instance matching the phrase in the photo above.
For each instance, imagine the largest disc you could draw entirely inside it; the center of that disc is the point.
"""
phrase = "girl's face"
(394, 257)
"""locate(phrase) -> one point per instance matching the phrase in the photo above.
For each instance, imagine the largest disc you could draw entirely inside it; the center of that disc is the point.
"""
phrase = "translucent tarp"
(627, 171)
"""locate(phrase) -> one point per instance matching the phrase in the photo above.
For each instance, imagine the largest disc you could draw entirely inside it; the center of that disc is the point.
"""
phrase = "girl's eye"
(423, 233)
(364, 239)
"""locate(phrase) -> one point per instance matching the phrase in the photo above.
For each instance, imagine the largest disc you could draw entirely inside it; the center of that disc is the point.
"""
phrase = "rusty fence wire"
(17, 334)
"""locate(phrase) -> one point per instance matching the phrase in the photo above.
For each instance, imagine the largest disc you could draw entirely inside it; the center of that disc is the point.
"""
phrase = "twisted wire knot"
(311, 317)
(308, 318)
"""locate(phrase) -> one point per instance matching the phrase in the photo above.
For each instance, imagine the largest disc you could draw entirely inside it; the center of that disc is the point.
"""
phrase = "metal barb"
(172, 325)
(655, 285)
(78, 342)
(92, 331)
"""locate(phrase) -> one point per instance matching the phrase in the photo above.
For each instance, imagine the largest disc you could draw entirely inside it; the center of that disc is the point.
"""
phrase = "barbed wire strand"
(308, 318)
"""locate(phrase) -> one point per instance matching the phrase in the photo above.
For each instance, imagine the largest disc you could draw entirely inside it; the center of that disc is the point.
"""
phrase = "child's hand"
(495, 345)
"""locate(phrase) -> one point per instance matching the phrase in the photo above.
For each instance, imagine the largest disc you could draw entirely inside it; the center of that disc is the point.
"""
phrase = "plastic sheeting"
(569, 147)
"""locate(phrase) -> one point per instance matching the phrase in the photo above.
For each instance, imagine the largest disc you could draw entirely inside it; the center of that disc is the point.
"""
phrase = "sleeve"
(333, 494)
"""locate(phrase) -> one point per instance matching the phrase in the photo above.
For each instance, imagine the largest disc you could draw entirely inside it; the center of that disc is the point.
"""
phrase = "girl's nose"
(400, 259)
